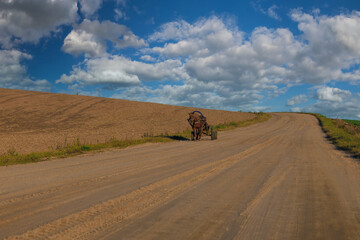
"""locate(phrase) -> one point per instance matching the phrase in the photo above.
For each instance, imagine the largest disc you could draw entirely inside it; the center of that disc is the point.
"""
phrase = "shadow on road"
(178, 138)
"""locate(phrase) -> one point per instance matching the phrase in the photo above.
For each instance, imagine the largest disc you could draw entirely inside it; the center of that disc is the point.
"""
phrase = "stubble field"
(38, 121)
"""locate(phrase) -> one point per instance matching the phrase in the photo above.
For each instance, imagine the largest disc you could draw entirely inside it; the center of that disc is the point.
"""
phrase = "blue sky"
(235, 55)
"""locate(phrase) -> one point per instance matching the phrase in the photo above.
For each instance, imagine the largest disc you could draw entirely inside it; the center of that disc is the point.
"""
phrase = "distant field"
(353, 122)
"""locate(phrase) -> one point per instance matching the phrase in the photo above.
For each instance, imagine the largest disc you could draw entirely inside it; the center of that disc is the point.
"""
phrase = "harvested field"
(38, 121)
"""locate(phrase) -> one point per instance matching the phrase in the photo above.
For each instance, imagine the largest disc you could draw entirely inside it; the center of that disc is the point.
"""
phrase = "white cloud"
(332, 94)
(194, 93)
(179, 30)
(14, 75)
(117, 71)
(271, 12)
(203, 38)
(255, 64)
(296, 109)
(339, 33)
(90, 37)
(89, 7)
(214, 51)
(28, 21)
(100, 71)
(334, 103)
(333, 43)
(216, 65)
(269, 56)
(80, 41)
(349, 109)
(296, 100)
(148, 58)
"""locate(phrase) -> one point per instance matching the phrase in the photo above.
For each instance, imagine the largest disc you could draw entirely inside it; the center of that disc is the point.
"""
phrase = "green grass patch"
(353, 122)
(12, 157)
(342, 137)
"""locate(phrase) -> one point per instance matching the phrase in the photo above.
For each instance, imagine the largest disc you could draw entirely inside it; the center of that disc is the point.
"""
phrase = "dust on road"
(280, 179)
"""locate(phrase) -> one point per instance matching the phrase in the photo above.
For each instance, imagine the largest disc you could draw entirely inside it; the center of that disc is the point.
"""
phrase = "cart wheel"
(192, 136)
(213, 134)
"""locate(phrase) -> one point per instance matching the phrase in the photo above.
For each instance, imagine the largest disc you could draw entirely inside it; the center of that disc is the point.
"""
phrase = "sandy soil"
(280, 179)
(36, 121)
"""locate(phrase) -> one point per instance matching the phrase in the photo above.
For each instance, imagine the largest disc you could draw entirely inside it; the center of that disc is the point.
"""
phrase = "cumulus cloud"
(296, 100)
(322, 56)
(90, 38)
(333, 45)
(269, 56)
(256, 64)
(214, 64)
(332, 94)
(339, 33)
(28, 21)
(80, 41)
(118, 71)
(194, 93)
(214, 51)
(204, 37)
(14, 75)
(89, 7)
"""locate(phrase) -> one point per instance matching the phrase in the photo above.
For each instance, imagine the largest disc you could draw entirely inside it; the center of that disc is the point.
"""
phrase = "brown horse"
(197, 122)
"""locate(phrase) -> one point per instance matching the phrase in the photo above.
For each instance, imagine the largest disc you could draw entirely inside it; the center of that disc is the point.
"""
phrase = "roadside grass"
(353, 122)
(76, 148)
(343, 136)
(12, 157)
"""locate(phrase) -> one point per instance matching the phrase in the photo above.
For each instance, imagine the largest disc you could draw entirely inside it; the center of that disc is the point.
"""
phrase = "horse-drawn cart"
(199, 126)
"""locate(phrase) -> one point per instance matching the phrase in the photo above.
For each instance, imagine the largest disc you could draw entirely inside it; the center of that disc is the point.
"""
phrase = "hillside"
(37, 121)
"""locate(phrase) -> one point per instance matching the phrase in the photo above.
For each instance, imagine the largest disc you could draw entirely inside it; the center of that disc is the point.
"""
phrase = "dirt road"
(280, 179)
